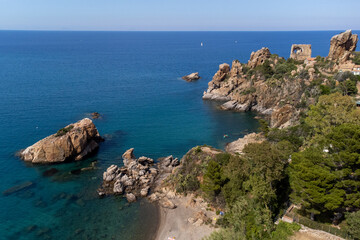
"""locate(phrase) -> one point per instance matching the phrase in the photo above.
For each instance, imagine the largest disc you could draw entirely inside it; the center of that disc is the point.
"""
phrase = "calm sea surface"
(51, 79)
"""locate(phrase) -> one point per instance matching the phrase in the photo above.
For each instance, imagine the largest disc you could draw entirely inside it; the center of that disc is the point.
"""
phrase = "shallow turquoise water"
(50, 79)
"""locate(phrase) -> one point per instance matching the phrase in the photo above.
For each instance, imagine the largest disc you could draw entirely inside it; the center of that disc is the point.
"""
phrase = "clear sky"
(179, 15)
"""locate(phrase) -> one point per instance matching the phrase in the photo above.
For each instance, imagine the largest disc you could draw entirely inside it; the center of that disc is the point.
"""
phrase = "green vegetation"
(284, 230)
(356, 58)
(63, 131)
(248, 91)
(353, 224)
(315, 165)
(284, 69)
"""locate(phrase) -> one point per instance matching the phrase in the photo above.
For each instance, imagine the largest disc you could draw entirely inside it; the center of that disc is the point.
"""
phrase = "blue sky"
(179, 15)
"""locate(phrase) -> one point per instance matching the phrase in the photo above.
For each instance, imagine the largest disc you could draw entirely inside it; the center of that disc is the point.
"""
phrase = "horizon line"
(75, 30)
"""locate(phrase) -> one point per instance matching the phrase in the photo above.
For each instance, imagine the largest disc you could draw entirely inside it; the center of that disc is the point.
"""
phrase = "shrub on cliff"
(63, 131)
(284, 69)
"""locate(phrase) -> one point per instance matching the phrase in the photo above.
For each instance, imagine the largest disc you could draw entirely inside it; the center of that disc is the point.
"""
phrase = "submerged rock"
(50, 172)
(73, 142)
(191, 77)
(18, 188)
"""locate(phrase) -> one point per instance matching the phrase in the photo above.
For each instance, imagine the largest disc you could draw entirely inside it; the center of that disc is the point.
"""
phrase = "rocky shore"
(71, 143)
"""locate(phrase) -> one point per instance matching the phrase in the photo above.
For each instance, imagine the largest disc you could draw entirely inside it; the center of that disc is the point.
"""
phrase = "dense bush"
(284, 69)
(187, 183)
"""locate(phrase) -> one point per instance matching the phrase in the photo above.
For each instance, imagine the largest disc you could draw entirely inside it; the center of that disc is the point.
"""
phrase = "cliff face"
(267, 84)
(342, 45)
(73, 142)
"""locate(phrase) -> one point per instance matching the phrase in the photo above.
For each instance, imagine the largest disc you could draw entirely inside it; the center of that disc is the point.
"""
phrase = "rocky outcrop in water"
(136, 177)
(342, 46)
(73, 142)
(191, 77)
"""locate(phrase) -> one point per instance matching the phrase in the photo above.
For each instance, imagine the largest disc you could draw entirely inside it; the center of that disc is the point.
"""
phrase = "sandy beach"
(182, 223)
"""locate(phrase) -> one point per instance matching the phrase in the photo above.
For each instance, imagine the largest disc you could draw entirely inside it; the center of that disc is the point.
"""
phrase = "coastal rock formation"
(191, 77)
(238, 145)
(136, 177)
(259, 57)
(73, 142)
(342, 45)
(267, 84)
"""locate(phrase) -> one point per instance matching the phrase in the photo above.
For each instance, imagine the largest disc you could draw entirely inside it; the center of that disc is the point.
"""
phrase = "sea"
(49, 79)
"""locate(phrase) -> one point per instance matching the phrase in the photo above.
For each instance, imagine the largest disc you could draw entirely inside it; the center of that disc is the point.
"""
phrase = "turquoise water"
(51, 79)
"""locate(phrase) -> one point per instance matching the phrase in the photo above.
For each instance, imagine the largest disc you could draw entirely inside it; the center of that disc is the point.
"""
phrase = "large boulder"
(259, 57)
(342, 45)
(129, 154)
(130, 197)
(73, 142)
(110, 173)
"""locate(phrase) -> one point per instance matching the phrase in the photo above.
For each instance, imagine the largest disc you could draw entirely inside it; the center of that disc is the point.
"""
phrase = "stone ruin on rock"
(300, 52)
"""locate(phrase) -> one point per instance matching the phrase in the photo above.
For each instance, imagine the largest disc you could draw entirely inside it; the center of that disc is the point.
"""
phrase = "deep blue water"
(51, 79)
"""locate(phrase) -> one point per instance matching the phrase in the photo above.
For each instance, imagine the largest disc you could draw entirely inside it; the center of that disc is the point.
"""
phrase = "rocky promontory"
(73, 142)
(279, 89)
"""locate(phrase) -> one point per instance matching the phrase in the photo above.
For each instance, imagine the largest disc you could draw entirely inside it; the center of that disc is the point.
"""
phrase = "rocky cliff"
(267, 84)
(342, 46)
(278, 88)
(73, 142)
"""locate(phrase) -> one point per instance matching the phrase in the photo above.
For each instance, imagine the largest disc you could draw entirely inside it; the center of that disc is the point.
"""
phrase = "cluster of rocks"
(136, 177)
(73, 142)
(191, 77)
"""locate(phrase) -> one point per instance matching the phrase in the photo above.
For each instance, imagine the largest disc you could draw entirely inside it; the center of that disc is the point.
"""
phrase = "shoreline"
(174, 223)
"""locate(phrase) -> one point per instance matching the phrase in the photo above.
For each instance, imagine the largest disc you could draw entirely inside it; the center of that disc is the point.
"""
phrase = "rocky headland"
(277, 88)
(71, 143)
